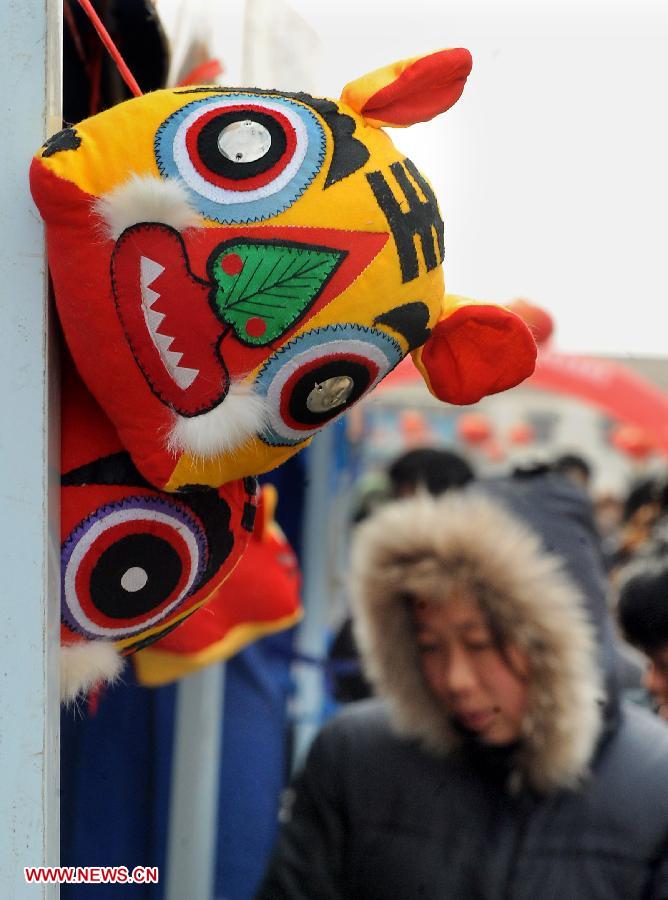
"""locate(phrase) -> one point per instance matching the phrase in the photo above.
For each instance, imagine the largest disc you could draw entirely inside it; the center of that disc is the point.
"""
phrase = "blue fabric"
(255, 763)
(115, 781)
(115, 776)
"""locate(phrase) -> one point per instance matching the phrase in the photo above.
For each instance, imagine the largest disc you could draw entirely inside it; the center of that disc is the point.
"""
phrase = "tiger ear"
(411, 90)
(475, 349)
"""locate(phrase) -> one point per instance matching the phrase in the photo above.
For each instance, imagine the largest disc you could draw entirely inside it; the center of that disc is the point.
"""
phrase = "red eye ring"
(276, 122)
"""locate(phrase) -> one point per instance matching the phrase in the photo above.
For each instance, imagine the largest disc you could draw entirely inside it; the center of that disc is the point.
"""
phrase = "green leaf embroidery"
(263, 287)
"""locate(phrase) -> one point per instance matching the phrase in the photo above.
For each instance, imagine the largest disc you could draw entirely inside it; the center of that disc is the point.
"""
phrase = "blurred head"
(481, 682)
(469, 625)
(575, 467)
(643, 614)
(434, 469)
(608, 511)
(643, 495)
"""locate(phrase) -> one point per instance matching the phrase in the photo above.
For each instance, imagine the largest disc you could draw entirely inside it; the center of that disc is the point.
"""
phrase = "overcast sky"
(552, 169)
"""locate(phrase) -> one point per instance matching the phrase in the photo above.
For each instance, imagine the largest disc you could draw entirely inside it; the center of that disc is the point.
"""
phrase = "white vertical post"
(311, 636)
(193, 808)
(30, 49)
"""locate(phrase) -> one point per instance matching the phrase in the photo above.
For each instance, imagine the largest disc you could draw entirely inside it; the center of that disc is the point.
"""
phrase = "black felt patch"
(422, 219)
(349, 154)
(335, 368)
(250, 485)
(213, 159)
(67, 139)
(214, 512)
(248, 517)
(410, 321)
(117, 468)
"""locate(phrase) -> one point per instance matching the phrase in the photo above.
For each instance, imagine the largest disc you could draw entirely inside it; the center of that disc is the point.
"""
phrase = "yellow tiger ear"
(411, 90)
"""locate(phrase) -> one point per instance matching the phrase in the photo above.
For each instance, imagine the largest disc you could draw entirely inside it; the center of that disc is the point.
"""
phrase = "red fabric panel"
(424, 89)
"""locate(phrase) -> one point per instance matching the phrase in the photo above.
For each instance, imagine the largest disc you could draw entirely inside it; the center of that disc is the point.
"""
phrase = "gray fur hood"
(467, 538)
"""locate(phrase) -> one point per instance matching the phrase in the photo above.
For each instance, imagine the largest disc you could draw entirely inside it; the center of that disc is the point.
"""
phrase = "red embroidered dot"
(232, 264)
(256, 327)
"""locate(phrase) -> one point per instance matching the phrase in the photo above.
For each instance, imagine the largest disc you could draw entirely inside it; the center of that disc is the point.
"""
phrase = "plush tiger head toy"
(234, 268)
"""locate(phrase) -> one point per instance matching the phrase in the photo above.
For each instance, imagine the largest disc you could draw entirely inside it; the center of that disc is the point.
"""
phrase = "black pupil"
(213, 159)
(357, 372)
(157, 558)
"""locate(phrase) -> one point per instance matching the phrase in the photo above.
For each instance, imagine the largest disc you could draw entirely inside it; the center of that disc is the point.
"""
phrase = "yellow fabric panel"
(157, 667)
(255, 456)
(121, 145)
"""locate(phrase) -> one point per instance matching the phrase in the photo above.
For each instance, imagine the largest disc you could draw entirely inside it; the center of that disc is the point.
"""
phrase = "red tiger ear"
(475, 350)
(411, 90)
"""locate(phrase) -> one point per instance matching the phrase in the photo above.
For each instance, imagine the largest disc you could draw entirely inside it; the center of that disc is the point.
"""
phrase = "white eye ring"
(244, 142)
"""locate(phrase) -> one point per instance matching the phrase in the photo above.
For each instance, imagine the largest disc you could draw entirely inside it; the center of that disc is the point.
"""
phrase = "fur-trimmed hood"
(469, 539)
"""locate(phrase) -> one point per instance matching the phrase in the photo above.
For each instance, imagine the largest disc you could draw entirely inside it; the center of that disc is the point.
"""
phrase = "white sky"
(552, 169)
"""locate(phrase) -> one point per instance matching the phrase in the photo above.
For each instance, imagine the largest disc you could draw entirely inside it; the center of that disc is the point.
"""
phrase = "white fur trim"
(425, 546)
(241, 415)
(84, 665)
(145, 198)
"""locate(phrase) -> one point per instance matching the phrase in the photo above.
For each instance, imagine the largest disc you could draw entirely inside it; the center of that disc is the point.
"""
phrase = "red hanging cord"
(126, 74)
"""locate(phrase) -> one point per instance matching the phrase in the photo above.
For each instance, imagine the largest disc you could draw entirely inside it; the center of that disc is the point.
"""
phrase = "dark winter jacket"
(396, 803)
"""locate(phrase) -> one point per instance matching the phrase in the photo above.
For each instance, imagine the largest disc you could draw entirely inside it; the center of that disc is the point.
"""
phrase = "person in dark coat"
(643, 614)
(432, 469)
(497, 760)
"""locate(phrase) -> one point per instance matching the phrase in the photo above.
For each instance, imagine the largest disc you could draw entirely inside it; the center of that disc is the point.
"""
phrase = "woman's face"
(485, 691)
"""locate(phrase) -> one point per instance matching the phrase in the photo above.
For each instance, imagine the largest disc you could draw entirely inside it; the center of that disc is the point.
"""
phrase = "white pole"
(311, 636)
(30, 48)
(193, 808)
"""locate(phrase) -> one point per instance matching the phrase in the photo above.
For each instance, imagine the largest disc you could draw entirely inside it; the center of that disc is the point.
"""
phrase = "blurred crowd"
(632, 534)
(502, 679)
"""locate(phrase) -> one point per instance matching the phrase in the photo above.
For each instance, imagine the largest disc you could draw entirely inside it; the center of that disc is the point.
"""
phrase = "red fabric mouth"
(169, 321)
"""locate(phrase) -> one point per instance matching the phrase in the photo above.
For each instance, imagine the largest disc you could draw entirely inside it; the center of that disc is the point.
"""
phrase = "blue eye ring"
(173, 153)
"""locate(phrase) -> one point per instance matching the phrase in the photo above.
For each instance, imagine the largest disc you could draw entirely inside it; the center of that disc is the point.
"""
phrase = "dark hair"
(647, 490)
(435, 469)
(643, 603)
(568, 462)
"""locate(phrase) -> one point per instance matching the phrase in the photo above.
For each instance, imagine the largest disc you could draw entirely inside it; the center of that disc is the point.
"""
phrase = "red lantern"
(474, 429)
(493, 450)
(521, 434)
(414, 428)
(632, 441)
(540, 322)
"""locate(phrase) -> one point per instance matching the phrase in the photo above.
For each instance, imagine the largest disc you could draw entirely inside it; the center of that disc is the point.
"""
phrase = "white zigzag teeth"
(182, 375)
